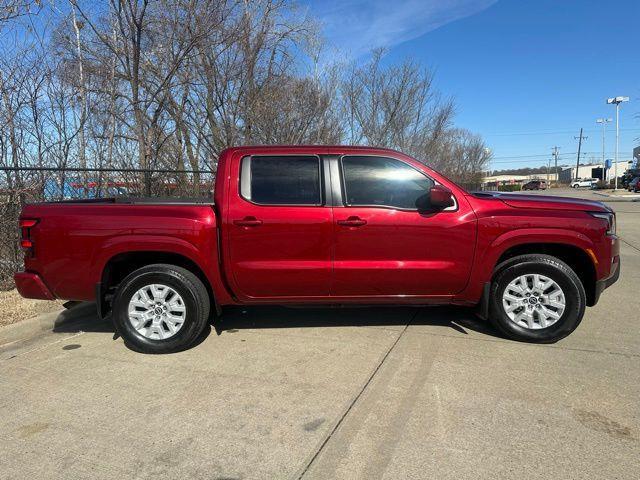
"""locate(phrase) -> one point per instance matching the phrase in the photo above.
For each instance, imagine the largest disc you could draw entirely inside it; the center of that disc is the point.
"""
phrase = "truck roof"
(327, 149)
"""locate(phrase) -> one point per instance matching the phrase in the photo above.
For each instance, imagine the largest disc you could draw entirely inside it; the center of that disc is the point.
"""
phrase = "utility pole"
(581, 137)
(555, 156)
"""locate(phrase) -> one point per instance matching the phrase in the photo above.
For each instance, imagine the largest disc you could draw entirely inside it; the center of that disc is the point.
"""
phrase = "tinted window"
(382, 181)
(281, 180)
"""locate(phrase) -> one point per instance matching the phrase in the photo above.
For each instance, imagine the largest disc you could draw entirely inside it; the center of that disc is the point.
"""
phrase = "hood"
(547, 202)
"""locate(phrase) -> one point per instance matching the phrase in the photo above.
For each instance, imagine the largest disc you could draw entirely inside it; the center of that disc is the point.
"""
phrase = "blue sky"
(526, 75)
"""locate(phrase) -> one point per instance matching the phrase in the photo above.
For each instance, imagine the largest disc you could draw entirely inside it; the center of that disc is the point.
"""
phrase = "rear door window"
(281, 180)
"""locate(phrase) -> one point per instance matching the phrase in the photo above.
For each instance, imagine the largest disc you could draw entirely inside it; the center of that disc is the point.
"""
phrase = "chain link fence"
(19, 186)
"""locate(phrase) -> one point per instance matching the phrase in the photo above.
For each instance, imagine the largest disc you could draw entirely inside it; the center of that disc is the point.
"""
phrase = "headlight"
(610, 217)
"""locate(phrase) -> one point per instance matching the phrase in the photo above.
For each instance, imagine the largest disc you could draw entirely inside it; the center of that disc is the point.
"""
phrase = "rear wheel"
(536, 298)
(160, 309)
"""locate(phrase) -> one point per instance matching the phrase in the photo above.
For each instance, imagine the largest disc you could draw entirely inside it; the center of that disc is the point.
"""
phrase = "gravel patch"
(14, 308)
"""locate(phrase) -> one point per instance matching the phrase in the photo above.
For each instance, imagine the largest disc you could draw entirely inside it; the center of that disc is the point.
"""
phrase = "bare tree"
(170, 83)
(295, 111)
(13, 9)
(462, 156)
(394, 106)
(77, 27)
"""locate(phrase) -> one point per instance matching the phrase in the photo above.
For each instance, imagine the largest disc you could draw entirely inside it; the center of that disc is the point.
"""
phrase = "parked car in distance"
(535, 185)
(321, 225)
(627, 176)
(634, 185)
(584, 182)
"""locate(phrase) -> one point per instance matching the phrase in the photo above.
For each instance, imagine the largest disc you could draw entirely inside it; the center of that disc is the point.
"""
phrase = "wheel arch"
(574, 256)
(120, 265)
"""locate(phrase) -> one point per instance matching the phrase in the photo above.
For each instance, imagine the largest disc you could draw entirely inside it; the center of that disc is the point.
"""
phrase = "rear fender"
(204, 256)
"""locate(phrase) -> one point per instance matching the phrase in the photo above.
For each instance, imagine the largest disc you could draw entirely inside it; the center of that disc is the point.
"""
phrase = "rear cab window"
(281, 180)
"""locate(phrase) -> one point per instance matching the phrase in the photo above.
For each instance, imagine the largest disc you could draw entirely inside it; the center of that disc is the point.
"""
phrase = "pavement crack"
(527, 345)
(629, 244)
(355, 400)
(37, 349)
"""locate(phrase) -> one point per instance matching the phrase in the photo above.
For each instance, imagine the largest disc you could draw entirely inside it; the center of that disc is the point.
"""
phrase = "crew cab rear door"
(278, 228)
(384, 246)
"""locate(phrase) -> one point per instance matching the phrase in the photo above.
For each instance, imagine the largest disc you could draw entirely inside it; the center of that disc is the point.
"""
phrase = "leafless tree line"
(170, 83)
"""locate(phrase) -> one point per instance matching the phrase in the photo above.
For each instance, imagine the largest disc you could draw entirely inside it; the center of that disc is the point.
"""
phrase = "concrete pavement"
(333, 393)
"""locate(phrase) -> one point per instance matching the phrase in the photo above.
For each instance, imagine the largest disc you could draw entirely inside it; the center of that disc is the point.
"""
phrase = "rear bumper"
(602, 285)
(30, 285)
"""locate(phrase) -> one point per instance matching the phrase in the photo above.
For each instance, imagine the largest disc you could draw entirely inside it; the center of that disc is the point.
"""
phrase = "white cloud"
(357, 26)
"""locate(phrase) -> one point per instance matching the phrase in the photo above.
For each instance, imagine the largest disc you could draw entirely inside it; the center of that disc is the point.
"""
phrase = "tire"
(557, 271)
(186, 297)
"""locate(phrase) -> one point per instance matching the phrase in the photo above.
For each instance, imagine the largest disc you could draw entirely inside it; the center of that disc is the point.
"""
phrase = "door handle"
(352, 222)
(248, 222)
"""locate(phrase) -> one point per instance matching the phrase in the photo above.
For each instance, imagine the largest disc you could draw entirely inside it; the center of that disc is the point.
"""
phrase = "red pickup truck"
(322, 225)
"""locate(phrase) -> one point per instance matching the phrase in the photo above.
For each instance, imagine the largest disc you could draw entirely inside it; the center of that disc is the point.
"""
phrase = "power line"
(520, 161)
(540, 155)
(548, 156)
(557, 132)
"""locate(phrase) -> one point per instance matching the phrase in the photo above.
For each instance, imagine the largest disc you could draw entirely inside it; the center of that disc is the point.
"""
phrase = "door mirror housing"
(438, 198)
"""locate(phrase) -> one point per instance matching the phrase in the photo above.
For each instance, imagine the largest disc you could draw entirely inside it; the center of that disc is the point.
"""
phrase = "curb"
(26, 329)
(610, 198)
(40, 325)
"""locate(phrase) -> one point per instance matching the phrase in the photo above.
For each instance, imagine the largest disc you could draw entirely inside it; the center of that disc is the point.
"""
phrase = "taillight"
(25, 232)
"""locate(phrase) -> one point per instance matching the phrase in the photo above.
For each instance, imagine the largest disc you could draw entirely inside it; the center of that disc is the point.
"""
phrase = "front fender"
(492, 250)
(535, 235)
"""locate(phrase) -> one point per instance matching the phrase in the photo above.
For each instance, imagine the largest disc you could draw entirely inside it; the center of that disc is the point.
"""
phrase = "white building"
(594, 170)
(495, 180)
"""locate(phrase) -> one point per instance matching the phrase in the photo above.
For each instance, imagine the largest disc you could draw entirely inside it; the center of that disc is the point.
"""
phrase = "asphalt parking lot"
(363, 393)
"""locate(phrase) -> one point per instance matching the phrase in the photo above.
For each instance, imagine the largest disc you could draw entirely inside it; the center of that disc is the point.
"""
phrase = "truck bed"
(72, 240)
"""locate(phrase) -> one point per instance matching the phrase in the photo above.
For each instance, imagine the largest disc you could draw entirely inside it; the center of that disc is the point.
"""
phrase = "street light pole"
(604, 122)
(617, 101)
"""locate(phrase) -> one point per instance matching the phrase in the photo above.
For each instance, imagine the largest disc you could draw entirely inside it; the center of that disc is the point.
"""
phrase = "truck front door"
(384, 246)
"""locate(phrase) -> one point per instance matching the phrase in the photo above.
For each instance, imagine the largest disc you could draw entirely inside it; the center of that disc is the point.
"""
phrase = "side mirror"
(438, 198)
(441, 197)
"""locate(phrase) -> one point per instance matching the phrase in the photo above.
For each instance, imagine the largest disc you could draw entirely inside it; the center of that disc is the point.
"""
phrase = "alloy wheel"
(533, 301)
(157, 311)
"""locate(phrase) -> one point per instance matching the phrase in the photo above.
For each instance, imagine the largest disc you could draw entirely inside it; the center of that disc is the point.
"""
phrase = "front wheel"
(160, 309)
(536, 298)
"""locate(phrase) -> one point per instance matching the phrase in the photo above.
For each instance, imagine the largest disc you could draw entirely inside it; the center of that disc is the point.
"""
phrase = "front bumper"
(605, 283)
(30, 285)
